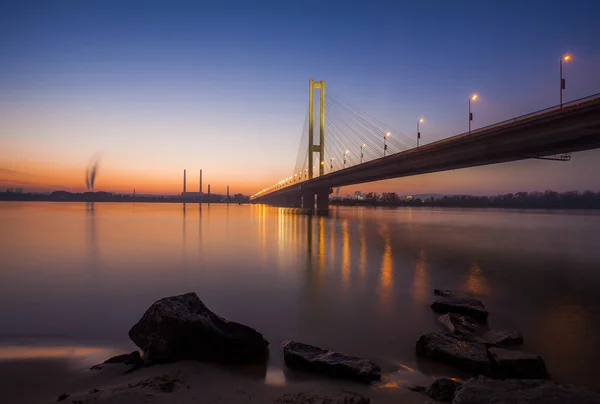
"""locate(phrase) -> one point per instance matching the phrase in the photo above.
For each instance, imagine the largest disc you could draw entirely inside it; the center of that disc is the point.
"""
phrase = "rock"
(500, 337)
(481, 390)
(128, 359)
(442, 292)
(443, 389)
(182, 327)
(62, 397)
(468, 307)
(454, 350)
(518, 364)
(417, 388)
(345, 397)
(455, 323)
(313, 359)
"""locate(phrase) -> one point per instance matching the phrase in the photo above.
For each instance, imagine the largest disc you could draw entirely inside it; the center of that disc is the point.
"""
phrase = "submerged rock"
(518, 364)
(182, 327)
(128, 359)
(455, 323)
(443, 389)
(481, 390)
(500, 338)
(469, 307)
(442, 292)
(455, 351)
(313, 359)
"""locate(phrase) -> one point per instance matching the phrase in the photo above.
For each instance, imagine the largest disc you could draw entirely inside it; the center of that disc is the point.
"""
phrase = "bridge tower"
(320, 148)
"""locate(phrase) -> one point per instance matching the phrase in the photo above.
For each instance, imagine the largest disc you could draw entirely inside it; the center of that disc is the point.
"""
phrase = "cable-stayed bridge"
(354, 147)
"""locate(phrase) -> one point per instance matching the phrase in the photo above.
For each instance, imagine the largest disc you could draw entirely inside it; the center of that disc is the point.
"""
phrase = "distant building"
(192, 195)
(359, 195)
(18, 190)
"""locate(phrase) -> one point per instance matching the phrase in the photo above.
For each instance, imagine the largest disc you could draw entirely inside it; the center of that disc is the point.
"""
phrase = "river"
(77, 276)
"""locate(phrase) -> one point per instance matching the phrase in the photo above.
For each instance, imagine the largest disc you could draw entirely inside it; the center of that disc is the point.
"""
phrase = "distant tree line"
(523, 200)
(64, 196)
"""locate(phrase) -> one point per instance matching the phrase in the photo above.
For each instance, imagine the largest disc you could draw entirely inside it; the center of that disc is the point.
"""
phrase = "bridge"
(359, 148)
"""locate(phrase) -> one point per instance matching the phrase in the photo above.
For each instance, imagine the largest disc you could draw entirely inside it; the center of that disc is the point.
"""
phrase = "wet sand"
(44, 380)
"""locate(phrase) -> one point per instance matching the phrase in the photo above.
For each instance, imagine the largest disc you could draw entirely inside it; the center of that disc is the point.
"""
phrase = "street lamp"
(471, 98)
(361, 152)
(387, 134)
(564, 59)
(345, 153)
(331, 164)
(419, 133)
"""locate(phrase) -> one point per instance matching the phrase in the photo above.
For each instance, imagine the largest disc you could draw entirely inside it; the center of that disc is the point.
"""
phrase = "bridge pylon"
(320, 148)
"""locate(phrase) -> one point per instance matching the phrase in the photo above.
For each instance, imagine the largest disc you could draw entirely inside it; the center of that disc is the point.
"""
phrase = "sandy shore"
(43, 380)
(194, 382)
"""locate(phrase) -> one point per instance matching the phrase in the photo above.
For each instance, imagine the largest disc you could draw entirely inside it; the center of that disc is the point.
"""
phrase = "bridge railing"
(566, 105)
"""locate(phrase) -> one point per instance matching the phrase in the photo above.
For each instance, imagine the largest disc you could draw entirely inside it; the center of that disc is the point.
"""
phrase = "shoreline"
(38, 379)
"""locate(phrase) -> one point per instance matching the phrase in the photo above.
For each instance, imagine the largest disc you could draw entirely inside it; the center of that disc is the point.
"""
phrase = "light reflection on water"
(359, 281)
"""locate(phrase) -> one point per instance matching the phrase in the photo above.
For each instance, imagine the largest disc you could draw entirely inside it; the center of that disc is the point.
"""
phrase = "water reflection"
(362, 263)
(475, 280)
(420, 286)
(92, 237)
(345, 254)
(386, 270)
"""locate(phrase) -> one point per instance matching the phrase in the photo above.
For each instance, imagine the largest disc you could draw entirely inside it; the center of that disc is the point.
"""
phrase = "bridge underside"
(574, 129)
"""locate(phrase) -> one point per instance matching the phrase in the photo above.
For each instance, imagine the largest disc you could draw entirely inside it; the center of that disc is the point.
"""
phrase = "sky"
(155, 87)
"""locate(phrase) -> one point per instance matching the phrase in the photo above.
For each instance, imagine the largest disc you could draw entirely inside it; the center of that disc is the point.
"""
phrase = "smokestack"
(208, 189)
(227, 192)
(184, 181)
(200, 181)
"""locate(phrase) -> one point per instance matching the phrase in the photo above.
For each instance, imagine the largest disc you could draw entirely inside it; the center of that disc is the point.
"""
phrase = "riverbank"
(39, 381)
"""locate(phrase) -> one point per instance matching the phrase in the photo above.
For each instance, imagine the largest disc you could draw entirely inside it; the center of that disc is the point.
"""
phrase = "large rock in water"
(518, 364)
(454, 350)
(500, 338)
(311, 358)
(182, 327)
(469, 307)
(481, 390)
(457, 324)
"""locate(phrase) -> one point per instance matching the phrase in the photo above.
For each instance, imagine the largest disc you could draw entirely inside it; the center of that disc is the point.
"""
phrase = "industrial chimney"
(208, 189)
(200, 190)
(227, 192)
(183, 181)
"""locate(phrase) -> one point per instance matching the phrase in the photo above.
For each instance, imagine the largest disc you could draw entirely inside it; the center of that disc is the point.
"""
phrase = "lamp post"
(345, 153)
(361, 152)
(563, 59)
(471, 98)
(331, 164)
(421, 120)
(387, 134)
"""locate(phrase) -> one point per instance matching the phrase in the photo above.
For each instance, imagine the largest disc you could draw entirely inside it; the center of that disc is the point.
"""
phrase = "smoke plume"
(91, 173)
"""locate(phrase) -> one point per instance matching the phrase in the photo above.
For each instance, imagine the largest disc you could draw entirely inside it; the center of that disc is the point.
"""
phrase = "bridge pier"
(323, 201)
(308, 200)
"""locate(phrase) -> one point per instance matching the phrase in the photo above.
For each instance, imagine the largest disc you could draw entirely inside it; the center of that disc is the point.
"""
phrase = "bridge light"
(471, 98)
(421, 120)
(387, 134)
(566, 57)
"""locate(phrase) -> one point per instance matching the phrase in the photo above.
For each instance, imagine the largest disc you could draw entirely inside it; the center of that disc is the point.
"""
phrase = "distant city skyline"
(155, 88)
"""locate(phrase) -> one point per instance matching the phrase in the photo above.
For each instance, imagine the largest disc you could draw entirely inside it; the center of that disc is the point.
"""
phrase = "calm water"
(359, 281)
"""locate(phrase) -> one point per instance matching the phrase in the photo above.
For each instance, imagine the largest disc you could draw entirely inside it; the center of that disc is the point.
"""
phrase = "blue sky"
(159, 86)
